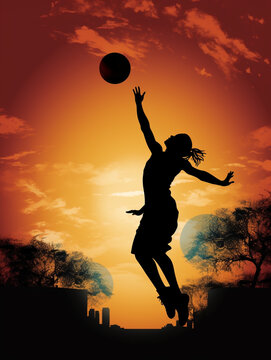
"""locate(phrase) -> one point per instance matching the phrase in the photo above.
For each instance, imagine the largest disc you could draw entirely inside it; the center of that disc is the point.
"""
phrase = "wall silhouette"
(236, 319)
(55, 322)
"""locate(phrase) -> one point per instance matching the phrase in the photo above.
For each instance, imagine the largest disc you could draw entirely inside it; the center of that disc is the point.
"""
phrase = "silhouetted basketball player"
(160, 213)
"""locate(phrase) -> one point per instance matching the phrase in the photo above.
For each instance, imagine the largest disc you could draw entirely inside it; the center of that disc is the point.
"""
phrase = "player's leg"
(175, 297)
(167, 267)
(149, 266)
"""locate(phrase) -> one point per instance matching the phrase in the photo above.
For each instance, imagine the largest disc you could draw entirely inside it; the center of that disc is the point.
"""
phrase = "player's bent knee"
(160, 257)
(141, 258)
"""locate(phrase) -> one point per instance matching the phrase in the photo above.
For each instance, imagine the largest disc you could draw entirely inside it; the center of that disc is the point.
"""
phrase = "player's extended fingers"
(143, 94)
(230, 174)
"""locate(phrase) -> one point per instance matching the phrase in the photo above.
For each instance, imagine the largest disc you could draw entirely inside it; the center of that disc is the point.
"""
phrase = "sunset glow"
(72, 153)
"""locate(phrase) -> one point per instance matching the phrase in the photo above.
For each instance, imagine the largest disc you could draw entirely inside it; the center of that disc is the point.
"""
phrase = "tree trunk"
(256, 275)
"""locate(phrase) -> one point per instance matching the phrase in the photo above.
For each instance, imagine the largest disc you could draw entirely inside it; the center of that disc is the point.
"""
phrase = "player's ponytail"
(197, 155)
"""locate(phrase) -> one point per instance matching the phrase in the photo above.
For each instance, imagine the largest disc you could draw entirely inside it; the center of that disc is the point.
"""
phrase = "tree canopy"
(241, 236)
(41, 264)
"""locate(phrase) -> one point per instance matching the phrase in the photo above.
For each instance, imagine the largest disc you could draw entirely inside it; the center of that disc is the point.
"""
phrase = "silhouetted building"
(92, 317)
(236, 316)
(238, 308)
(91, 314)
(39, 304)
(106, 317)
(97, 317)
(189, 324)
(29, 315)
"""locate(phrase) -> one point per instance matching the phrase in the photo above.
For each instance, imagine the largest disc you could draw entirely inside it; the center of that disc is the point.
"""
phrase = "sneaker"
(167, 299)
(181, 305)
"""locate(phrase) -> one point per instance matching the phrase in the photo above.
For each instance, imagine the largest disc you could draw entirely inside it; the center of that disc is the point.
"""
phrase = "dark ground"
(52, 324)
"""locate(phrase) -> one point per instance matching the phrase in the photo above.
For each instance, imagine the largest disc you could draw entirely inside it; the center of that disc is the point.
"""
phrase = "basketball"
(114, 68)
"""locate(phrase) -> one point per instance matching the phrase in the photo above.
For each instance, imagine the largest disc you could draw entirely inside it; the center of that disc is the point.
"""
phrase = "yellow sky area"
(89, 154)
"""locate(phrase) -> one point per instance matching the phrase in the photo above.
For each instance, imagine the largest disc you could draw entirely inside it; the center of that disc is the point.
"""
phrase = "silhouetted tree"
(198, 291)
(241, 236)
(78, 271)
(41, 264)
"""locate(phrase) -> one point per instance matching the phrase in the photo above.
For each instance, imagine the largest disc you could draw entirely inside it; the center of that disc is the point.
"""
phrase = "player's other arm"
(207, 177)
(136, 212)
(144, 122)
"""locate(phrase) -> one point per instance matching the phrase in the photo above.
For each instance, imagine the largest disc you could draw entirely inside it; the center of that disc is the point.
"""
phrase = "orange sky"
(72, 154)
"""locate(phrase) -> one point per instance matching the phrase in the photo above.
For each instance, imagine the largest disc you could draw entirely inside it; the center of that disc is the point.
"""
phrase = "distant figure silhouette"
(160, 213)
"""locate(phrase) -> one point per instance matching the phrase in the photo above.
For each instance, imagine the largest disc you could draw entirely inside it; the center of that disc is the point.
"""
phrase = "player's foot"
(181, 305)
(167, 299)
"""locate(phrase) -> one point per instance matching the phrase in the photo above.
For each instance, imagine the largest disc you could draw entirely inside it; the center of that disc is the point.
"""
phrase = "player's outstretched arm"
(144, 122)
(207, 177)
(136, 212)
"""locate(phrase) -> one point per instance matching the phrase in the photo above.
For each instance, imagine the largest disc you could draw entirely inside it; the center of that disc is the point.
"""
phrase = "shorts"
(158, 224)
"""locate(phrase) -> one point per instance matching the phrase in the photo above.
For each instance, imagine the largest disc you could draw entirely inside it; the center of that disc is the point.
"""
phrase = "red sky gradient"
(72, 153)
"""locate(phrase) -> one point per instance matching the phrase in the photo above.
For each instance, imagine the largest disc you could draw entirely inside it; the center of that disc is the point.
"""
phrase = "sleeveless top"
(159, 172)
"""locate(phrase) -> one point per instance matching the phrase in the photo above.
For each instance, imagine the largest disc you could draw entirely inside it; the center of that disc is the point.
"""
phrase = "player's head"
(181, 144)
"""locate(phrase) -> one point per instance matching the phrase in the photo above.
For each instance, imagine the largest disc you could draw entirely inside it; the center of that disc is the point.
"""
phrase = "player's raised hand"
(227, 181)
(138, 96)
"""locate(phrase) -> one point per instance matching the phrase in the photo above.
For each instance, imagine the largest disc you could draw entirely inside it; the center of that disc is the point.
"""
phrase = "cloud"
(82, 6)
(181, 181)
(255, 19)
(97, 8)
(203, 72)
(30, 186)
(41, 224)
(11, 125)
(236, 165)
(128, 193)
(109, 175)
(76, 168)
(49, 236)
(17, 156)
(203, 198)
(262, 137)
(248, 70)
(197, 198)
(114, 24)
(98, 45)
(145, 6)
(71, 211)
(182, 178)
(46, 203)
(40, 167)
(172, 10)
(215, 42)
